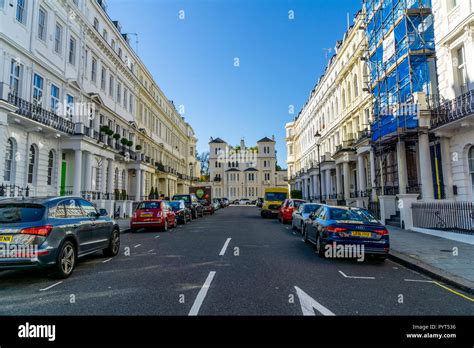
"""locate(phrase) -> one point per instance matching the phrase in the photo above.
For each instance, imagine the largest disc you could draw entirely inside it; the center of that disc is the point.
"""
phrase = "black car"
(53, 233)
(183, 213)
(348, 227)
(208, 207)
(191, 202)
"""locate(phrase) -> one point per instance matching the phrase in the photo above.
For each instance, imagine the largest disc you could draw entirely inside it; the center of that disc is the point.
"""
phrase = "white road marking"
(224, 248)
(418, 280)
(106, 260)
(351, 277)
(157, 237)
(201, 295)
(52, 286)
(136, 246)
(308, 304)
(152, 250)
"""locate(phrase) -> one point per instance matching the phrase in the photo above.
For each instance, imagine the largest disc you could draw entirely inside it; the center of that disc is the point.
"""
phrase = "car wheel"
(114, 244)
(66, 261)
(380, 258)
(165, 226)
(319, 246)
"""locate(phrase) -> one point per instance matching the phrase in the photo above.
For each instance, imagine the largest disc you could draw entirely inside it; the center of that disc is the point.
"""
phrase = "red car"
(285, 213)
(153, 214)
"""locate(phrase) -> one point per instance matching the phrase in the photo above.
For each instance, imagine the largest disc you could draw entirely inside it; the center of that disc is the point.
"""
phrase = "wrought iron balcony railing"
(453, 110)
(43, 116)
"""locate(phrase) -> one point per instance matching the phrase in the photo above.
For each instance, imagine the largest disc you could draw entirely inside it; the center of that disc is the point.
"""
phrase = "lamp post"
(317, 137)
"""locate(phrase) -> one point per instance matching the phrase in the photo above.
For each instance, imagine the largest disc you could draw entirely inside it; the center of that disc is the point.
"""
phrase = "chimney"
(242, 144)
(273, 137)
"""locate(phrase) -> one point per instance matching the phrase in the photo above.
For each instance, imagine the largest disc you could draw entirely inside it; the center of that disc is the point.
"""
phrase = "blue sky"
(192, 60)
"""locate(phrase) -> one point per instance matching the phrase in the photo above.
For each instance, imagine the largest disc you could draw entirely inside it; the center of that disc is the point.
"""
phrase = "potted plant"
(116, 136)
(138, 147)
(104, 129)
(130, 143)
(124, 141)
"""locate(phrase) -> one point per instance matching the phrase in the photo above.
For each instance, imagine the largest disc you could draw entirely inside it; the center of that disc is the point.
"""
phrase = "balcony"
(40, 115)
(160, 166)
(217, 179)
(453, 110)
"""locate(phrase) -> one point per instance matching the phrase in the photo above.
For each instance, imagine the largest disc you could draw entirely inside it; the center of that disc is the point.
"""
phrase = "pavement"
(230, 263)
(124, 225)
(449, 261)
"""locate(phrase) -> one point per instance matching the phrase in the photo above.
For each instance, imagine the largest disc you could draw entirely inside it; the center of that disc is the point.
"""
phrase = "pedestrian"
(162, 197)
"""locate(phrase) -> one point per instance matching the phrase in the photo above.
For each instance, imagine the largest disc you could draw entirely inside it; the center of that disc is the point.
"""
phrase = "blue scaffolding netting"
(400, 43)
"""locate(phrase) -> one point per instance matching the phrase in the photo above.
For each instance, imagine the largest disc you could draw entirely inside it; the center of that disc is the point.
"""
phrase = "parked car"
(244, 201)
(302, 214)
(347, 226)
(153, 214)
(216, 203)
(54, 233)
(285, 213)
(235, 202)
(192, 203)
(208, 207)
(226, 201)
(183, 213)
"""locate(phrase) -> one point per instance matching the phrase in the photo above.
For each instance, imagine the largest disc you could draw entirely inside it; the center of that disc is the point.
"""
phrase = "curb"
(433, 272)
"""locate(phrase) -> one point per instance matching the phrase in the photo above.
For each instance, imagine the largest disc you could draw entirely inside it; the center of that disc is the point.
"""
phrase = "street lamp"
(317, 137)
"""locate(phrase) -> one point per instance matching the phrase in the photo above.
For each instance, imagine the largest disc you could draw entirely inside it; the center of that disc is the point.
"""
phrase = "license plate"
(6, 239)
(361, 234)
(146, 214)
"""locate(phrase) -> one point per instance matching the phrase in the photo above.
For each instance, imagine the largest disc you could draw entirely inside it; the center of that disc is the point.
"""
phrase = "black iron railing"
(8, 190)
(374, 208)
(452, 110)
(455, 217)
(38, 114)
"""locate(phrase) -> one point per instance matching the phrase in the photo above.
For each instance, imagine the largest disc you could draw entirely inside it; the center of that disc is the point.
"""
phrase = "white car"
(302, 214)
(244, 201)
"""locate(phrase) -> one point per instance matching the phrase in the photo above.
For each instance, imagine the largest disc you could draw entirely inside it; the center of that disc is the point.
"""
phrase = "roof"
(232, 170)
(250, 170)
(217, 141)
(266, 140)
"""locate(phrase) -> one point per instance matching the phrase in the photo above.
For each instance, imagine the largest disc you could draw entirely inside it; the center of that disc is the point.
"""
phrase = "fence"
(445, 216)
(7, 190)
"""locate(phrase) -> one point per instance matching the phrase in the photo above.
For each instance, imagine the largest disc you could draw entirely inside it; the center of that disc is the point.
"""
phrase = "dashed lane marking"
(224, 248)
(201, 295)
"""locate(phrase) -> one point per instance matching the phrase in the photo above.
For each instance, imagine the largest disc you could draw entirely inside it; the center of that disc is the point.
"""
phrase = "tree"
(204, 159)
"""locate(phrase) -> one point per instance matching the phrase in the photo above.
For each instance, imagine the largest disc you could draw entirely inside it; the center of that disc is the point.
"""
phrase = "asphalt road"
(263, 269)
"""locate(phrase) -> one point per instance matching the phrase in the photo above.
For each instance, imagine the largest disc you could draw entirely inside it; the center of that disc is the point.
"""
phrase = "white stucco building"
(80, 113)
(244, 172)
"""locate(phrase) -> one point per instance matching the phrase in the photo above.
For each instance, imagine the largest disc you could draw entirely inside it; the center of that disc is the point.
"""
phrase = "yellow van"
(274, 198)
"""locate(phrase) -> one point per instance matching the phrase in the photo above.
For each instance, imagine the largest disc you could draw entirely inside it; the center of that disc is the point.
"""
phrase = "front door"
(63, 178)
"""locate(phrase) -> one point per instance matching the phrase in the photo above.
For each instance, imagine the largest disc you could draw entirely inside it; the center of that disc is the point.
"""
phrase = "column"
(88, 172)
(402, 167)
(447, 167)
(142, 184)
(138, 181)
(347, 180)
(426, 174)
(361, 176)
(110, 175)
(77, 172)
(328, 182)
(338, 179)
(103, 177)
(372, 173)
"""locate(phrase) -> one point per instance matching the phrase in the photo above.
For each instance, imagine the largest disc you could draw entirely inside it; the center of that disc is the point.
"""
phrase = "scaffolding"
(399, 53)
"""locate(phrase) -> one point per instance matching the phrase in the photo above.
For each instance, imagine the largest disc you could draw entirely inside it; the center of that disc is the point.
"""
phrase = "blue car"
(53, 233)
(348, 229)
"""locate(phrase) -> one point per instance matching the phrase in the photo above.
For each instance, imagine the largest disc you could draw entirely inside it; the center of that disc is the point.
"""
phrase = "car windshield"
(275, 196)
(351, 215)
(176, 205)
(297, 203)
(185, 198)
(21, 212)
(309, 208)
(149, 205)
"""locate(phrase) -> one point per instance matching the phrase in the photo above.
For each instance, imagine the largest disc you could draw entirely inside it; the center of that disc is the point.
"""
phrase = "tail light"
(42, 231)
(382, 231)
(334, 229)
